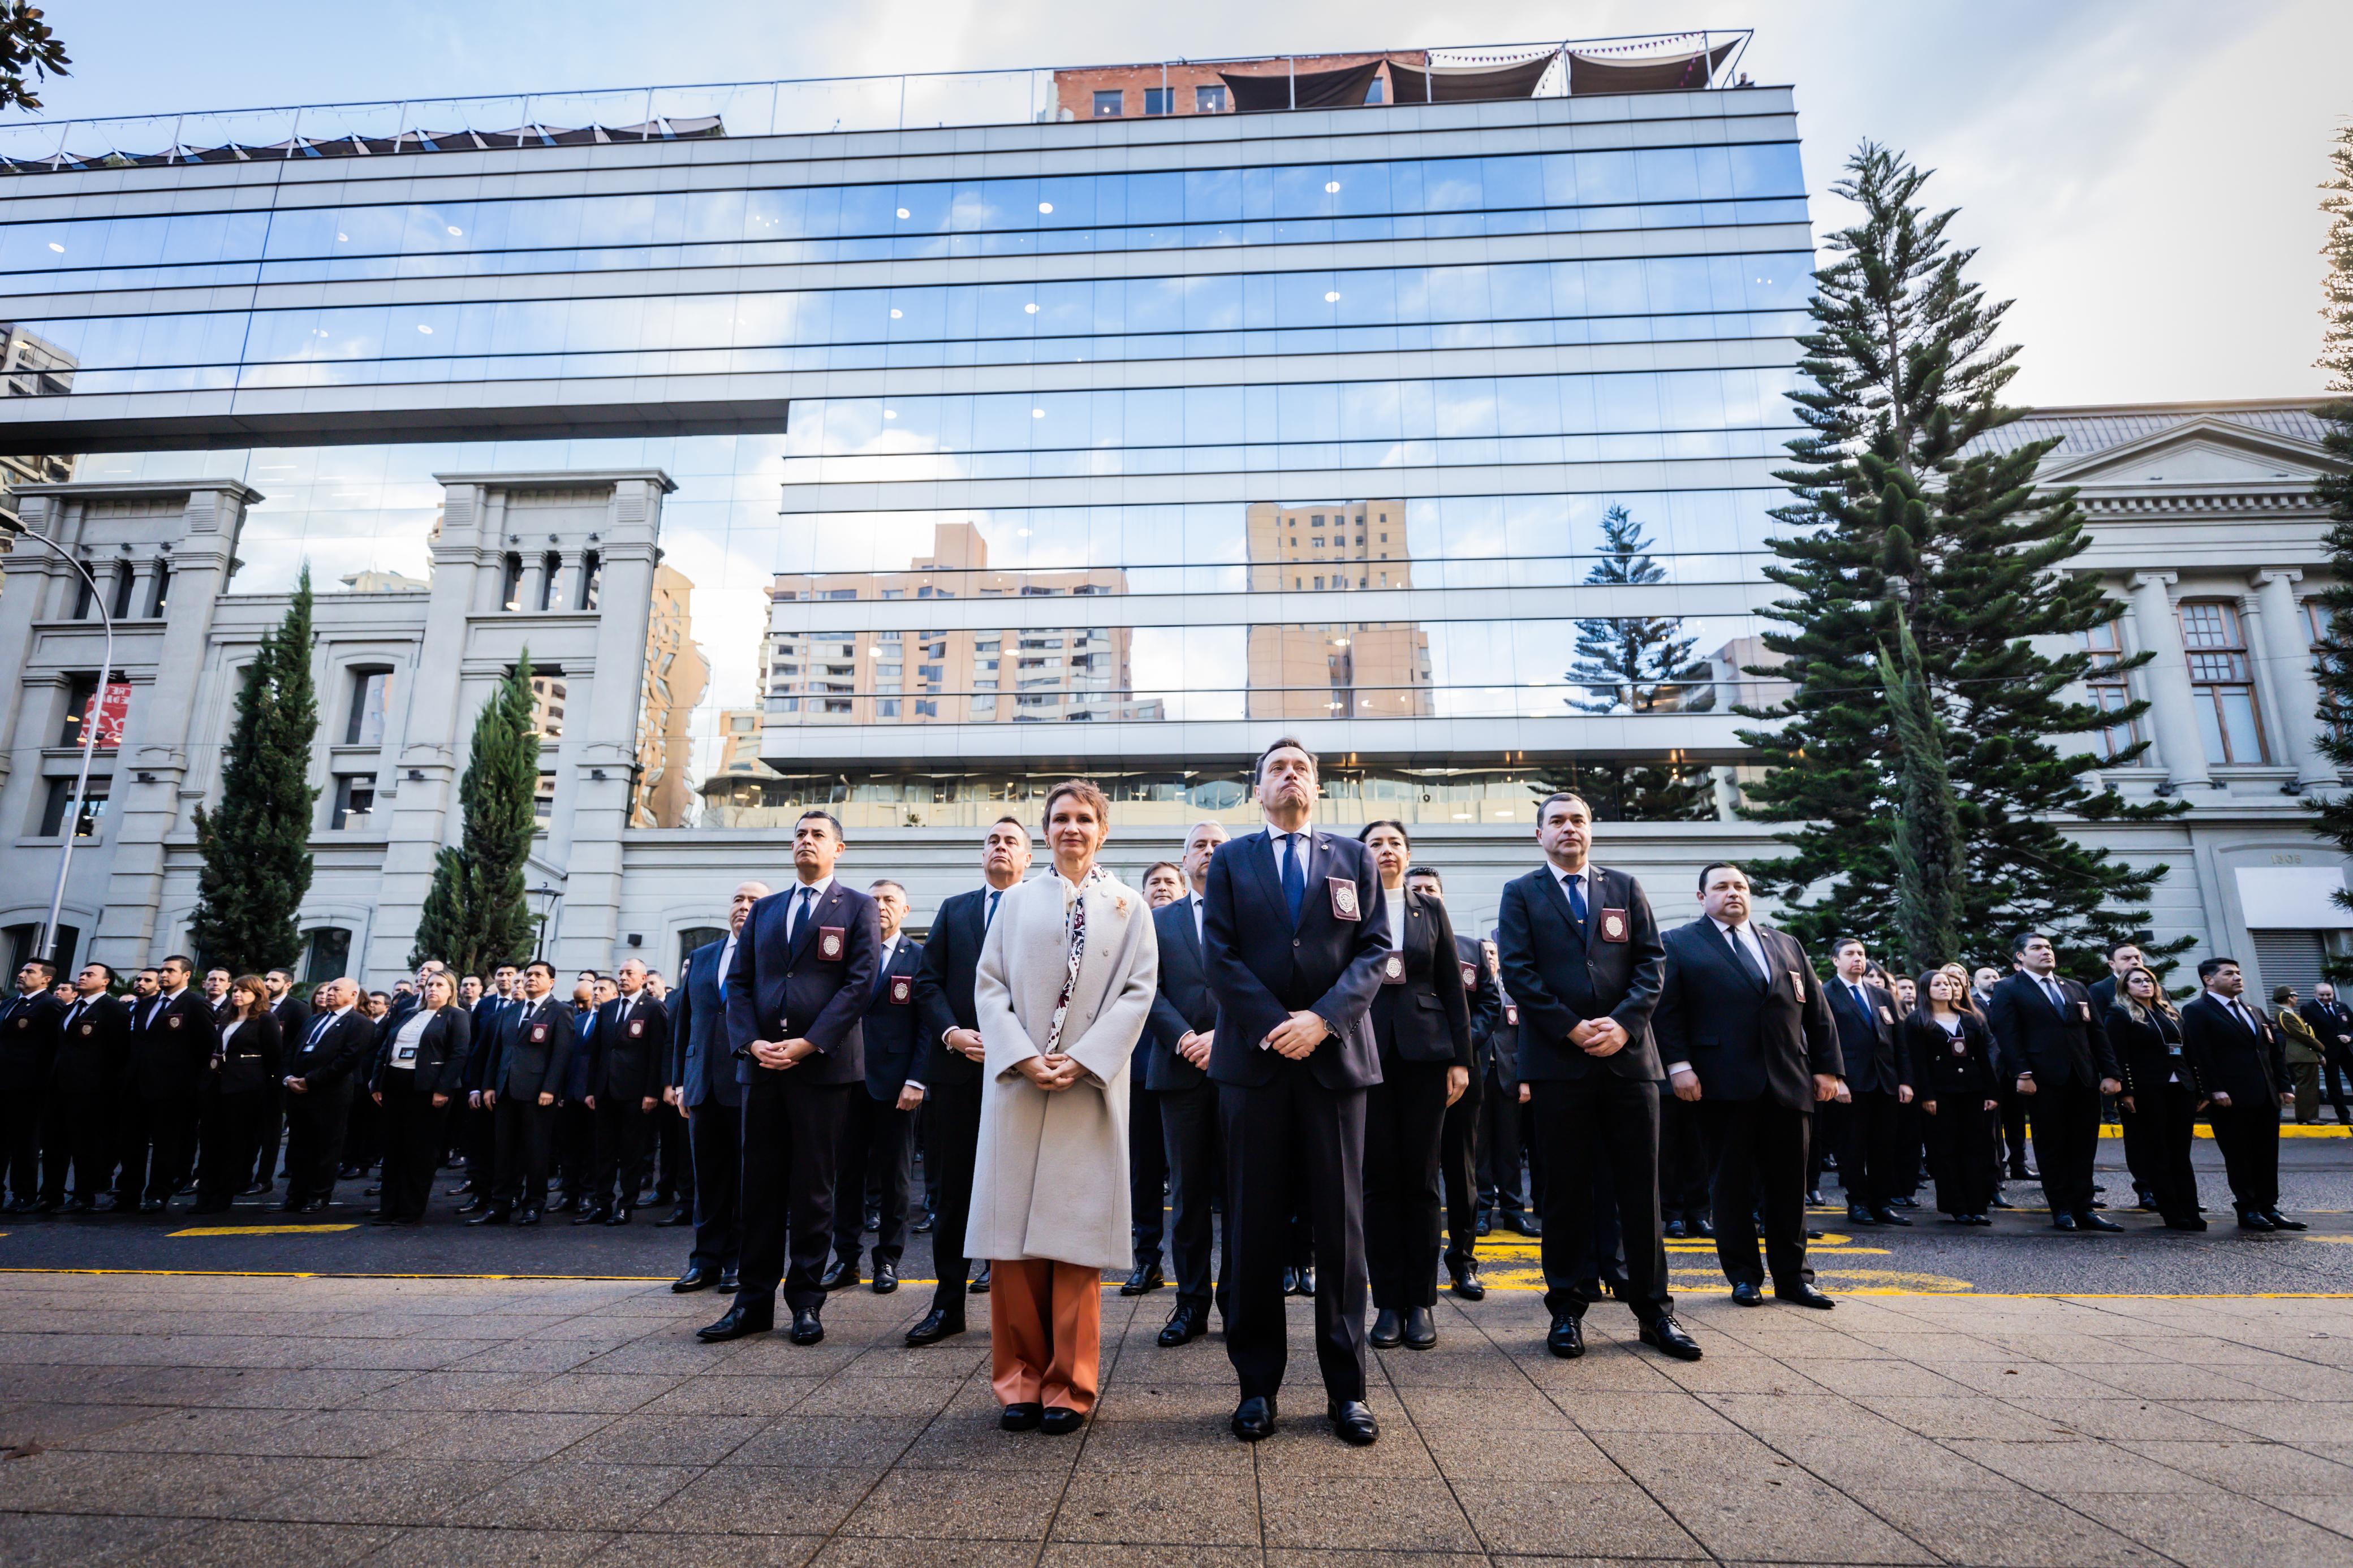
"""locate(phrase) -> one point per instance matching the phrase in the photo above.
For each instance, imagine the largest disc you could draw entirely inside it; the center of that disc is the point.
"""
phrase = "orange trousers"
(1045, 1331)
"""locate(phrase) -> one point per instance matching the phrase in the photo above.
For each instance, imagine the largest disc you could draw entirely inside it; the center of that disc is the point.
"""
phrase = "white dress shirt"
(1749, 945)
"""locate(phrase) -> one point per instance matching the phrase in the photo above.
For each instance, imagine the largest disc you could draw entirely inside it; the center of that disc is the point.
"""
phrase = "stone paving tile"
(386, 1491)
(764, 1500)
(2006, 1528)
(1565, 1519)
(2213, 1530)
(653, 1551)
(251, 1543)
(924, 1505)
(438, 1547)
(1159, 1508)
(82, 1540)
(1339, 1511)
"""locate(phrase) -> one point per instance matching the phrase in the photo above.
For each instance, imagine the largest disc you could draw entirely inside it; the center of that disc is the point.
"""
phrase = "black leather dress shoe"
(1145, 1277)
(619, 1216)
(1858, 1214)
(727, 1279)
(936, 1326)
(1060, 1421)
(1420, 1329)
(592, 1217)
(737, 1323)
(677, 1216)
(151, 1205)
(839, 1274)
(1888, 1216)
(2254, 1219)
(1387, 1331)
(2185, 1222)
(526, 1216)
(1291, 1281)
(564, 1204)
(926, 1225)
(373, 1192)
(979, 1285)
(1745, 1293)
(1485, 1226)
(1999, 1202)
(2281, 1222)
(1466, 1282)
(696, 1277)
(1352, 1423)
(886, 1278)
(1524, 1223)
(1021, 1417)
(1802, 1295)
(1567, 1338)
(496, 1215)
(2063, 1221)
(1187, 1322)
(1702, 1229)
(1253, 1419)
(1306, 1282)
(806, 1329)
(2091, 1221)
(474, 1206)
(1667, 1336)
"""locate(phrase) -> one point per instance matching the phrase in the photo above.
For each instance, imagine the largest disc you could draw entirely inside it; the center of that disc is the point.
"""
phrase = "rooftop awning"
(1598, 73)
(1467, 84)
(1342, 89)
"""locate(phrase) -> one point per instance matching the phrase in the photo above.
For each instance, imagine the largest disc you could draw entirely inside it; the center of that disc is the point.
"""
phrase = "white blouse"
(404, 1042)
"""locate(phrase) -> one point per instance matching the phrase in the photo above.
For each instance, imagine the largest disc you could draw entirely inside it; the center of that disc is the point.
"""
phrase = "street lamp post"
(48, 943)
(546, 913)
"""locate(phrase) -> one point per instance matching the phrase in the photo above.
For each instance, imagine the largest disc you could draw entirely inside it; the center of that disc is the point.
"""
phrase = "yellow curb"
(259, 1229)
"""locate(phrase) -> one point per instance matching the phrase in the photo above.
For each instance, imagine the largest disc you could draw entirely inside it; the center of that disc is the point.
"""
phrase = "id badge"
(2084, 1011)
(539, 1034)
(902, 990)
(1798, 979)
(1511, 1014)
(1613, 925)
(1886, 1016)
(1470, 975)
(1393, 969)
(830, 942)
(1343, 899)
(637, 1027)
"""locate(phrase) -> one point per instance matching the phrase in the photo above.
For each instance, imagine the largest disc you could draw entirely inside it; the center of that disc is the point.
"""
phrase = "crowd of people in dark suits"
(1335, 1095)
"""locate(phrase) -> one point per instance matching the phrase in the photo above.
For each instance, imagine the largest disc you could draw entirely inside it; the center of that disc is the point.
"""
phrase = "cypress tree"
(2333, 663)
(474, 914)
(1925, 838)
(1906, 378)
(1636, 664)
(256, 846)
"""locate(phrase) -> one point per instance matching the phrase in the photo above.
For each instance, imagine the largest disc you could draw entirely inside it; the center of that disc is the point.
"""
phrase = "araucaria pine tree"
(256, 846)
(1905, 502)
(1636, 664)
(1925, 837)
(474, 914)
(2333, 663)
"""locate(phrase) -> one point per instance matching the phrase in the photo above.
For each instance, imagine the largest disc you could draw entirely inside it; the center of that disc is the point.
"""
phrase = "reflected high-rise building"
(31, 366)
(676, 674)
(1341, 669)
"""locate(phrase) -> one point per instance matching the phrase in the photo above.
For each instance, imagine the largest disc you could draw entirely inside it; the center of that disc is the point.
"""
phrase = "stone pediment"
(2195, 454)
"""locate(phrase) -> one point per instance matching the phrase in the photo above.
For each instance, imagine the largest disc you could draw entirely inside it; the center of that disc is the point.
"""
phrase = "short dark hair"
(832, 821)
(540, 963)
(1164, 866)
(1428, 871)
(1718, 865)
(1841, 944)
(48, 971)
(1009, 817)
(287, 972)
(877, 882)
(1364, 834)
(2116, 947)
(182, 959)
(149, 969)
(2018, 944)
(1258, 769)
(110, 976)
(2209, 967)
(1545, 806)
(378, 997)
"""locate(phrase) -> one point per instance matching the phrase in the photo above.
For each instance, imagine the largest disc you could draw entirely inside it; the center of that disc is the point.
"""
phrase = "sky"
(2140, 178)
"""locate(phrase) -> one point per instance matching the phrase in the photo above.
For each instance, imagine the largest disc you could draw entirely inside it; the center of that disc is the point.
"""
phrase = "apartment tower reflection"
(1339, 669)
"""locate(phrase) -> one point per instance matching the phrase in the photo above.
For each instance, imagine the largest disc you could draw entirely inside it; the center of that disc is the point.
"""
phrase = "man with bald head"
(700, 1081)
(627, 1071)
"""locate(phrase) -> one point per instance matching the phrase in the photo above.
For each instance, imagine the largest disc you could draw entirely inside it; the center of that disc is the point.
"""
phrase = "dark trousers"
(1405, 1116)
(1148, 1171)
(363, 1134)
(951, 1140)
(619, 1127)
(1458, 1170)
(481, 1142)
(878, 1142)
(2248, 1138)
(2066, 1118)
(2137, 1155)
(2014, 1129)
(315, 1124)
(2168, 1118)
(572, 1147)
(273, 1131)
(1756, 1160)
(1964, 1153)
(673, 1162)
(1870, 1157)
(1500, 1114)
(715, 1136)
(413, 1134)
(525, 1131)
(792, 1150)
(230, 1125)
(1826, 1143)
(21, 1118)
(1294, 1141)
(1682, 1162)
(1614, 1122)
(1188, 1129)
(2336, 1067)
(1911, 1149)
(159, 1142)
(80, 1130)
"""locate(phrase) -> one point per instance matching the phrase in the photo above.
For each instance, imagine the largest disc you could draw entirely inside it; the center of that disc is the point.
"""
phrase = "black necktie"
(800, 917)
(1748, 962)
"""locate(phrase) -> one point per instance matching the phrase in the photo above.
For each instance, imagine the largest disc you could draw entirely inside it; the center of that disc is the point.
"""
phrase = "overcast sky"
(2139, 177)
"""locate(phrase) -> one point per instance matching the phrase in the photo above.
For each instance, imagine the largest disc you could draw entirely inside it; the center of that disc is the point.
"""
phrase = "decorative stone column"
(2284, 655)
(2165, 676)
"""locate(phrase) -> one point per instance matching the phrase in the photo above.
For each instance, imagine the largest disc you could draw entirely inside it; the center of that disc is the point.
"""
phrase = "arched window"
(328, 957)
(2223, 682)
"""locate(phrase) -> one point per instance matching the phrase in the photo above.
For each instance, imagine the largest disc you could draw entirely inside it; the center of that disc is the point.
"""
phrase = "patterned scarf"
(1077, 924)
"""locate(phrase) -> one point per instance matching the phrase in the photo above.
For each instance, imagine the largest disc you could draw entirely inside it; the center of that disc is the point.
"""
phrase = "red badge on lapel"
(1798, 979)
(2084, 1011)
(539, 1034)
(1393, 969)
(902, 990)
(829, 942)
(1511, 1014)
(173, 1020)
(1470, 976)
(1343, 899)
(1613, 925)
(89, 1028)
(637, 1027)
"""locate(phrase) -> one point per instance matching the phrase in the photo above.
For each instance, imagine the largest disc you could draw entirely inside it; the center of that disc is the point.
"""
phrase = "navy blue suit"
(878, 1139)
(1186, 1099)
(814, 986)
(943, 1000)
(703, 1069)
(1294, 1130)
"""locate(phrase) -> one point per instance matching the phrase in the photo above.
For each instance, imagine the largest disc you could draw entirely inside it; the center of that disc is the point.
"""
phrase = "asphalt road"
(2019, 1255)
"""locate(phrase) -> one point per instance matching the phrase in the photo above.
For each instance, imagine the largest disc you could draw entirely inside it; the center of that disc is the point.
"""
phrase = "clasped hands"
(1052, 1073)
(783, 1054)
(1296, 1037)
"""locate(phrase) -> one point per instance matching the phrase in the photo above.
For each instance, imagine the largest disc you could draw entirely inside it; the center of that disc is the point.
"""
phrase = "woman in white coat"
(1066, 980)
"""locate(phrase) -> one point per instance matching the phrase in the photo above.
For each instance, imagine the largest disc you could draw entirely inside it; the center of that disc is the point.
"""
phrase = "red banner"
(111, 707)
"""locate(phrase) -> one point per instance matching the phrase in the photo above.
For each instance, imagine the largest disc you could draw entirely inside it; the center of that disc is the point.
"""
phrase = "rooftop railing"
(1643, 62)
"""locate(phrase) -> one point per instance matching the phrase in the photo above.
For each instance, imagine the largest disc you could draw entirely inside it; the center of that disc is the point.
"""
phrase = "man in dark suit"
(1581, 957)
(85, 1084)
(2332, 1023)
(1501, 1112)
(28, 1047)
(703, 1084)
(1293, 1055)
(293, 1015)
(477, 1126)
(878, 1139)
(1746, 1037)
(173, 1037)
(535, 1048)
(320, 1078)
(2053, 1046)
(950, 1077)
(1175, 1054)
(1458, 1151)
(624, 1088)
(1878, 1077)
(796, 1001)
(2241, 1067)
(2123, 959)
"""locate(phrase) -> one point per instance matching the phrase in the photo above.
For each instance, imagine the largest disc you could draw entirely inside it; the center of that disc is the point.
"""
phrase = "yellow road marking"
(259, 1229)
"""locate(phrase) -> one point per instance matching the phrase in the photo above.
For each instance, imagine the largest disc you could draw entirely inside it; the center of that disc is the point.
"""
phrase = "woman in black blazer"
(2160, 1090)
(421, 1064)
(1952, 1069)
(1422, 1023)
(234, 1096)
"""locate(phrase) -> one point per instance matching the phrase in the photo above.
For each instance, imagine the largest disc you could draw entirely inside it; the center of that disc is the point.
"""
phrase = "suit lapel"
(818, 911)
(1559, 902)
(1259, 856)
